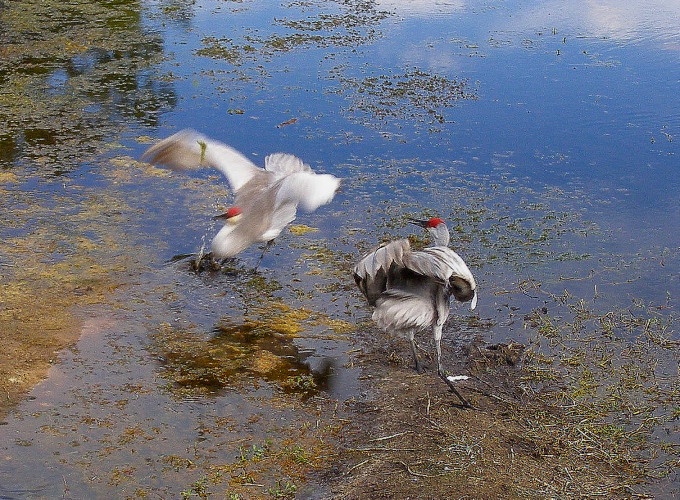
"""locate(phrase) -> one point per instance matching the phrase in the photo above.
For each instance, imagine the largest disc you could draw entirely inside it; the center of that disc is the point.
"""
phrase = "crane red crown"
(434, 222)
(233, 212)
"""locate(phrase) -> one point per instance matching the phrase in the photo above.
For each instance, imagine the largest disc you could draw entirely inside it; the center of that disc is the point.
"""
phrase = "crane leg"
(419, 366)
(442, 372)
(443, 376)
(264, 250)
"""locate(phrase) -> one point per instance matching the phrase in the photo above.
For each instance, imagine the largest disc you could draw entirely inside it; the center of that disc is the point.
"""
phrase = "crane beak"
(225, 217)
(232, 215)
(228, 218)
(418, 222)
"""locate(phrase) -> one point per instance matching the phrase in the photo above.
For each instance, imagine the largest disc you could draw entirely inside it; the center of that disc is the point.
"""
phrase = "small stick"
(357, 466)
(414, 473)
(389, 437)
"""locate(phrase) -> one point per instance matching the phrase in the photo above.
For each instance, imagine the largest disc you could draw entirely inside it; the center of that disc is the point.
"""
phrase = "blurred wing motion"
(187, 150)
(267, 198)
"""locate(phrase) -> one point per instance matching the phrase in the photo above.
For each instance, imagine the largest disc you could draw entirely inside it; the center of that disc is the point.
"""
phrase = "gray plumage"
(267, 198)
(411, 290)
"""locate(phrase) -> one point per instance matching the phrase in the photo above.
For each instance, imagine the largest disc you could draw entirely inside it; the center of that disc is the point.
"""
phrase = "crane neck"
(440, 235)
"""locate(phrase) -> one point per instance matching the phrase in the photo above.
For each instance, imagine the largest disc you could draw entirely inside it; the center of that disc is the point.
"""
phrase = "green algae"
(71, 73)
(260, 347)
(301, 229)
(69, 78)
(416, 95)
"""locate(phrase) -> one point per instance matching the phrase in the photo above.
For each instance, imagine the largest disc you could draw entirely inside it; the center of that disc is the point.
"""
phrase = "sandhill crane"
(411, 290)
(266, 200)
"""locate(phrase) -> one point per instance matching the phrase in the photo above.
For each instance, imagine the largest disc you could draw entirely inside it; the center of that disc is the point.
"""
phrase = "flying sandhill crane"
(411, 290)
(266, 200)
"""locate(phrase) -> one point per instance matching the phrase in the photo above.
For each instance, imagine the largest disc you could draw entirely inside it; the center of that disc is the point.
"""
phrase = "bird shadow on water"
(262, 341)
(237, 355)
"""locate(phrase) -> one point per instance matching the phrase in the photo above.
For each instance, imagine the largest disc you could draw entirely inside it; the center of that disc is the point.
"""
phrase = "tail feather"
(397, 310)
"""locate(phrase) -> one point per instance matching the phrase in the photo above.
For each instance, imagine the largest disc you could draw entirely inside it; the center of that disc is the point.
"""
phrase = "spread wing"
(371, 272)
(285, 164)
(403, 299)
(298, 184)
(446, 266)
(307, 189)
(188, 149)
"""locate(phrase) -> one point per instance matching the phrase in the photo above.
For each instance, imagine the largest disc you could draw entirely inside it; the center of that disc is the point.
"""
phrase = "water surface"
(545, 133)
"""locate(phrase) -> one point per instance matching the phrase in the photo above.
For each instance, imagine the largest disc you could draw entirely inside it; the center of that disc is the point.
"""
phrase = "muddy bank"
(543, 424)
(408, 439)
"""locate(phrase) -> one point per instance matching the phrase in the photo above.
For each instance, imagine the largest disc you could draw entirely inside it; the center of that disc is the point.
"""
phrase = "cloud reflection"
(629, 21)
(417, 8)
(626, 21)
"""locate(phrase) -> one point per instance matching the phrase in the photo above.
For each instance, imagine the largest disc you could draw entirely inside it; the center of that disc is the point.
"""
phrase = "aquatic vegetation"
(301, 229)
(102, 79)
(606, 384)
(71, 75)
(354, 24)
(417, 96)
(50, 270)
(261, 347)
(223, 49)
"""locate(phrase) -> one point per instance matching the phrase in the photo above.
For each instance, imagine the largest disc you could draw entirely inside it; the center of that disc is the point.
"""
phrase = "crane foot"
(464, 402)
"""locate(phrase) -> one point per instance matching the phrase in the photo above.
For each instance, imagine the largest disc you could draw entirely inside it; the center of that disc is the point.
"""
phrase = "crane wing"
(280, 218)
(285, 164)
(188, 149)
(302, 188)
(307, 189)
(370, 273)
(445, 265)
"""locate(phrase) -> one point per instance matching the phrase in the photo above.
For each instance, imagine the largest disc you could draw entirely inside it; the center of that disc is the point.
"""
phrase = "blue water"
(569, 128)
(566, 99)
(570, 101)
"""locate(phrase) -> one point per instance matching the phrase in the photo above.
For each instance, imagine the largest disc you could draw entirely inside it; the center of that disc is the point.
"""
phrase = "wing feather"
(285, 164)
(187, 150)
(440, 263)
(446, 266)
(370, 273)
(382, 258)
(307, 189)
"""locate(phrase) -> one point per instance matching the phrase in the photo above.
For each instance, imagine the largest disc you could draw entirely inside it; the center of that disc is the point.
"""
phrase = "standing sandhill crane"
(411, 290)
(266, 199)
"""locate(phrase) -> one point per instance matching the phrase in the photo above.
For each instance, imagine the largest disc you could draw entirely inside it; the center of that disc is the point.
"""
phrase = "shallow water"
(545, 133)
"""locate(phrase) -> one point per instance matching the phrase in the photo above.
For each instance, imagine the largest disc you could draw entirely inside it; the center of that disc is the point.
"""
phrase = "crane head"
(232, 215)
(437, 229)
(427, 223)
